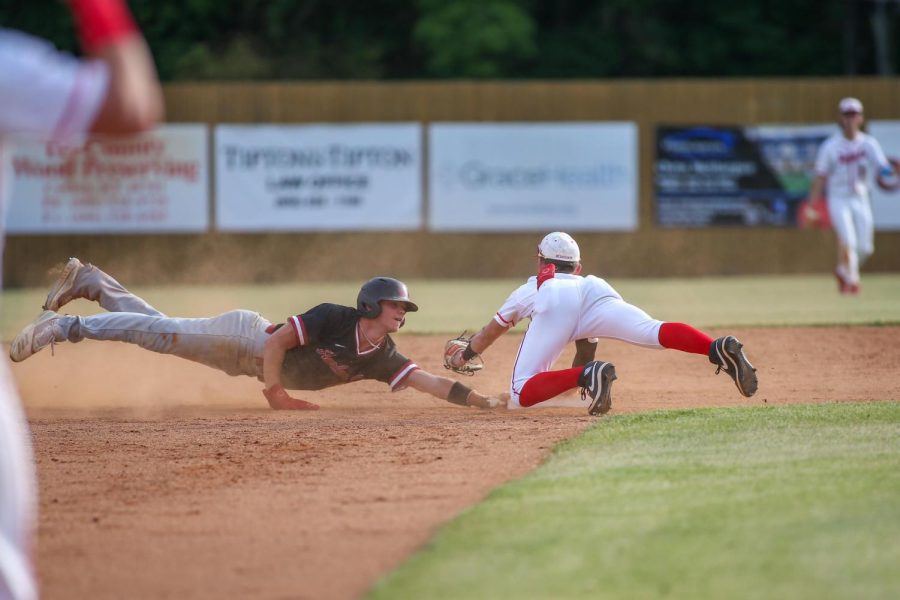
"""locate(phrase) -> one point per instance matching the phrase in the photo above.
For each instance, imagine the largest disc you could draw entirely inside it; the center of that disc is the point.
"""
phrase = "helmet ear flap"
(369, 311)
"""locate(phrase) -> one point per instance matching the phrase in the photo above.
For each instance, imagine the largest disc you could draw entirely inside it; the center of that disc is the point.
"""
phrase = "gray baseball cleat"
(63, 285)
(596, 383)
(728, 355)
(35, 337)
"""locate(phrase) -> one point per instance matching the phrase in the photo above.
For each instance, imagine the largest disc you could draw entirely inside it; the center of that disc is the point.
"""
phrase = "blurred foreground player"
(48, 95)
(325, 346)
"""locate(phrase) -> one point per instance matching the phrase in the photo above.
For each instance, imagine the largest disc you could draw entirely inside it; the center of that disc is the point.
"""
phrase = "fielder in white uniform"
(47, 95)
(841, 172)
(565, 306)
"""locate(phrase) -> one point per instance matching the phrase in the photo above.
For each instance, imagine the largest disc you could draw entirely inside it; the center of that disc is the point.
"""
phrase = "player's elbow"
(125, 114)
(143, 118)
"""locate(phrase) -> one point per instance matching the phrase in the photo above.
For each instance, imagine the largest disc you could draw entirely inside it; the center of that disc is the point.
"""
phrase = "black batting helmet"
(382, 288)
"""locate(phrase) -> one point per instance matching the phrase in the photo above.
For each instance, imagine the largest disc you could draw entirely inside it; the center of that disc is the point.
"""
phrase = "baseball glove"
(889, 179)
(453, 359)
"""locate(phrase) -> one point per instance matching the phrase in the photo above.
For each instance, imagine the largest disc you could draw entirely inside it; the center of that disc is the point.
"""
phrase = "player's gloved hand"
(812, 212)
(279, 399)
(456, 359)
(455, 356)
(888, 177)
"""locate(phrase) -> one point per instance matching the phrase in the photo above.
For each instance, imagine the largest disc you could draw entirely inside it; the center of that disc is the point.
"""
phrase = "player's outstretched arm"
(482, 340)
(273, 357)
(449, 390)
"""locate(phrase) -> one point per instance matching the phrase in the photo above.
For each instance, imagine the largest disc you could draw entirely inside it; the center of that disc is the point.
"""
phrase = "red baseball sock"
(679, 336)
(548, 384)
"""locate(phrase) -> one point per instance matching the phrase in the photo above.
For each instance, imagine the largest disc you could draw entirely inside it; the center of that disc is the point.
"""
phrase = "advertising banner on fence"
(745, 176)
(750, 176)
(155, 182)
(886, 205)
(533, 176)
(318, 177)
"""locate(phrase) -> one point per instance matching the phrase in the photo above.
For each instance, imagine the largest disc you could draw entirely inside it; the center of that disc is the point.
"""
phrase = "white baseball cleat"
(35, 337)
(63, 285)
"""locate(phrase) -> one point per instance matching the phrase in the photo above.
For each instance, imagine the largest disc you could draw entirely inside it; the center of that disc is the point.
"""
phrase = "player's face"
(392, 314)
(851, 121)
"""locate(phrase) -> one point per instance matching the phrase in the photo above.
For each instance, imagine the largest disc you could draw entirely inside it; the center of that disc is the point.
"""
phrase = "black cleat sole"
(602, 404)
(744, 374)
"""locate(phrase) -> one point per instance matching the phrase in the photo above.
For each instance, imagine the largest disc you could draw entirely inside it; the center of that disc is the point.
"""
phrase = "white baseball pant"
(851, 217)
(569, 309)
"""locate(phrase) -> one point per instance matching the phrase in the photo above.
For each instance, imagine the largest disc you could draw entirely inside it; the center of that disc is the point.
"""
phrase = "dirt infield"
(164, 479)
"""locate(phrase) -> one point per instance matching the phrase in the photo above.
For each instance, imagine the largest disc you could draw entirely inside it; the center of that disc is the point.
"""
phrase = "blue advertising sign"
(734, 176)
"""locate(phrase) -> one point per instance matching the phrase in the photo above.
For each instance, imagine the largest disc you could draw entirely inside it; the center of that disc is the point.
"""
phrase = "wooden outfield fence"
(650, 251)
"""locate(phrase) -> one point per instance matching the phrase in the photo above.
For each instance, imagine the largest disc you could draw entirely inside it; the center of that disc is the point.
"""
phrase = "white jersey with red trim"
(520, 304)
(844, 163)
(43, 95)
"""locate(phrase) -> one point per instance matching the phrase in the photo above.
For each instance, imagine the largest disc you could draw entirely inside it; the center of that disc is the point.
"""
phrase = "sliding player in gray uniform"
(325, 346)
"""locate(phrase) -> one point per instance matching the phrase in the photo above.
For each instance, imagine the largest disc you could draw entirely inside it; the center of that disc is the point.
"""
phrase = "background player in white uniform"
(46, 95)
(564, 306)
(841, 172)
(325, 346)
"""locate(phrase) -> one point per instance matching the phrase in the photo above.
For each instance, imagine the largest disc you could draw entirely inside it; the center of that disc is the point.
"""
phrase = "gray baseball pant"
(231, 342)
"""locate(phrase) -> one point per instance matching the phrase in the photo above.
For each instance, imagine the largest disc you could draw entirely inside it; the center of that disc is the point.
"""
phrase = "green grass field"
(783, 502)
(449, 306)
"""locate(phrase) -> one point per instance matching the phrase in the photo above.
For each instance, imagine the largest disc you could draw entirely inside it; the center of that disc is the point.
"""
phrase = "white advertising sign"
(533, 176)
(318, 177)
(154, 182)
(886, 205)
